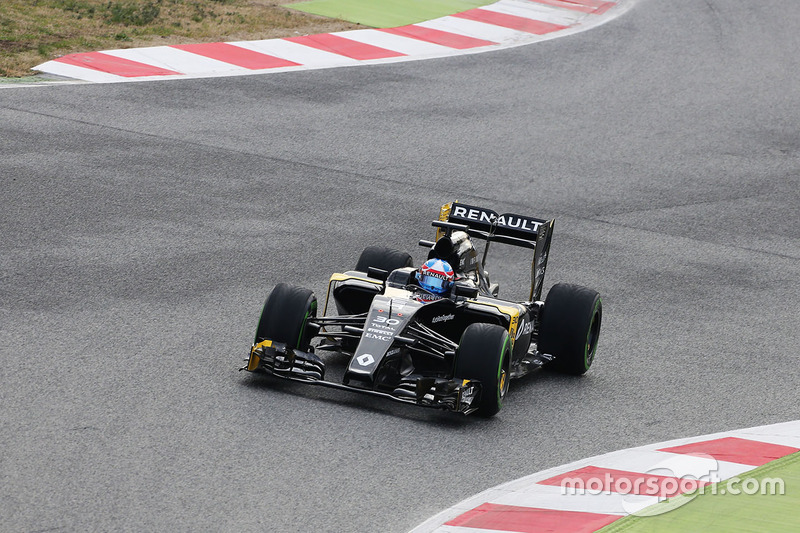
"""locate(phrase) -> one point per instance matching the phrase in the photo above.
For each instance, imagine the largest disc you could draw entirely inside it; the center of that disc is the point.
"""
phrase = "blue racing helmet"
(436, 276)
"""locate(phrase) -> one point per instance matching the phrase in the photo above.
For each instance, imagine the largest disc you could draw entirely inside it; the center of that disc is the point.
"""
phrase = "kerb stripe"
(114, 65)
(531, 520)
(595, 7)
(236, 55)
(444, 38)
(512, 22)
(592, 478)
(345, 47)
(736, 450)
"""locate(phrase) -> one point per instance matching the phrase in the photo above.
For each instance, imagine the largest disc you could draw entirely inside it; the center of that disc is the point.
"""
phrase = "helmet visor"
(434, 284)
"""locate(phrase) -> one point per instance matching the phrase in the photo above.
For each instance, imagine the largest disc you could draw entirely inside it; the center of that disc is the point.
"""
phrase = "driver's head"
(436, 276)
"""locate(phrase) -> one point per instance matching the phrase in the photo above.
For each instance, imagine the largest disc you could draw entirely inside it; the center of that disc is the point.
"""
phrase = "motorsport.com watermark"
(670, 487)
(674, 481)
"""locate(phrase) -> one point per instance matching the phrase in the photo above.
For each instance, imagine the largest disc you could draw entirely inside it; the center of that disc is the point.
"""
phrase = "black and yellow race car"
(437, 336)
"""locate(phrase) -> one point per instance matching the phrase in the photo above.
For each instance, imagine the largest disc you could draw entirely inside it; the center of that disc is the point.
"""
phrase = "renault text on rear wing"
(509, 224)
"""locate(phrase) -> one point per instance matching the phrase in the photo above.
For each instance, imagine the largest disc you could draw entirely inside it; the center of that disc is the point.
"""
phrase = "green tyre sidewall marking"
(260, 318)
(312, 311)
(500, 366)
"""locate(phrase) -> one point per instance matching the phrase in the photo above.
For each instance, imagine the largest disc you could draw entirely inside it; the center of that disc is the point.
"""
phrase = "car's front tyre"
(285, 316)
(484, 354)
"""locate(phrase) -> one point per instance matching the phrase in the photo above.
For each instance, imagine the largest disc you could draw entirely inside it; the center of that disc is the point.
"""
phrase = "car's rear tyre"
(386, 259)
(285, 316)
(484, 354)
(570, 327)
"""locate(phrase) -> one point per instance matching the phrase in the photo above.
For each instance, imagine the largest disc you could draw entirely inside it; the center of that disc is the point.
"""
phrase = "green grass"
(387, 13)
(725, 512)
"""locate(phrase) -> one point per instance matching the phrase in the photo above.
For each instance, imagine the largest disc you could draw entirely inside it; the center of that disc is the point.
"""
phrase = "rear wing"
(507, 228)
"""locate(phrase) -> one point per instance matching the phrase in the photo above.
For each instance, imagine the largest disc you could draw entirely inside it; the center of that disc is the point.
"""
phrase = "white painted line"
(550, 497)
(781, 435)
(73, 71)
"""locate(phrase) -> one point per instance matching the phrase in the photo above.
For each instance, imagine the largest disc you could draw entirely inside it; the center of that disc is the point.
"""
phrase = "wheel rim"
(503, 384)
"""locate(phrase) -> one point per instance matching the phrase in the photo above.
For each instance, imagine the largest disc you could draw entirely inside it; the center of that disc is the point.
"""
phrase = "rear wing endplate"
(507, 228)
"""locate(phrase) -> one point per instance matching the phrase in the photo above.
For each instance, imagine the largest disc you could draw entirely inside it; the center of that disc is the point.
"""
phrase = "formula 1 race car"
(437, 336)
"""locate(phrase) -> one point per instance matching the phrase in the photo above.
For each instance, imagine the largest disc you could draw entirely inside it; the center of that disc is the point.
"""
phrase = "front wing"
(276, 358)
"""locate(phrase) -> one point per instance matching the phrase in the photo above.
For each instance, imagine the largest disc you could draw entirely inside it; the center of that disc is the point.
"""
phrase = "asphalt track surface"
(143, 225)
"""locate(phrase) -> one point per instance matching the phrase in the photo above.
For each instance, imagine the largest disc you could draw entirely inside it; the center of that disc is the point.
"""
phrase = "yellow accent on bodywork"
(513, 315)
(512, 327)
(337, 276)
(444, 214)
(255, 360)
